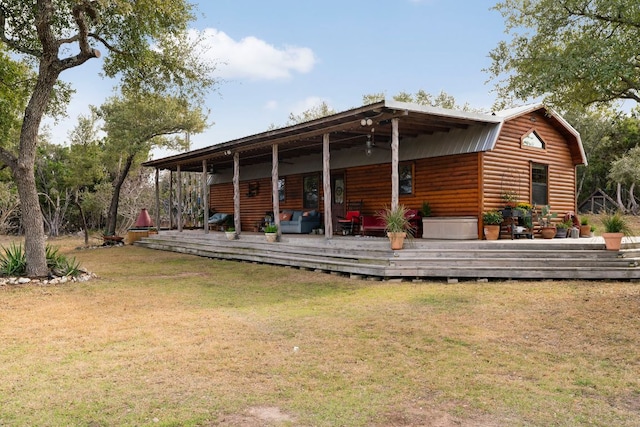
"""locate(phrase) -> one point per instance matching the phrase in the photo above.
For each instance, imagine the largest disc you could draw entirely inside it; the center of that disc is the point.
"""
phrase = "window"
(310, 193)
(405, 173)
(532, 140)
(281, 189)
(539, 184)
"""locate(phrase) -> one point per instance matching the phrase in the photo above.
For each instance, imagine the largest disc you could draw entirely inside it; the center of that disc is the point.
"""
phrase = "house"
(390, 153)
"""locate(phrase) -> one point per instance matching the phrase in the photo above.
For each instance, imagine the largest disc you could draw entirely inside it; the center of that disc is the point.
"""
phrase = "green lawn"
(167, 339)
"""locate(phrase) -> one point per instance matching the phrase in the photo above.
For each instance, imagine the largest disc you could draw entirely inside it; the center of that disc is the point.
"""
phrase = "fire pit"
(142, 228)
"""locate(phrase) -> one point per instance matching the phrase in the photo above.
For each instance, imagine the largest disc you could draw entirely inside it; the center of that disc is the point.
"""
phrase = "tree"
(148, 49)
(316, 112)
(86, 164)
(421, 97)
(137, 124)
(571, 52)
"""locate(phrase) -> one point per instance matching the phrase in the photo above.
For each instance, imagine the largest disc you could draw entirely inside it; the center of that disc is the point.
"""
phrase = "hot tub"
(450, 227)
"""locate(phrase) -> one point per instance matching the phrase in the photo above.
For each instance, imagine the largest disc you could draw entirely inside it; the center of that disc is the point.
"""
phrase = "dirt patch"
(263, 416)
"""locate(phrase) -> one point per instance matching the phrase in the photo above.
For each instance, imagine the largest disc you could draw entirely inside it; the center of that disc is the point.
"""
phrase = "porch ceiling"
(345, 131)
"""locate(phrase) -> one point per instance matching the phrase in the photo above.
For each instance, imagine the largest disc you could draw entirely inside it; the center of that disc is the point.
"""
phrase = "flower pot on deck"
(492, 231)
(613, 241)
(397, 240)
(271, 237)
(548, 232)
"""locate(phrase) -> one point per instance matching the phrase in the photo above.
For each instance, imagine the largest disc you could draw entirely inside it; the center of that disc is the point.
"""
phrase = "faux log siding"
(448, 183)
(253, 208)
(510, 159)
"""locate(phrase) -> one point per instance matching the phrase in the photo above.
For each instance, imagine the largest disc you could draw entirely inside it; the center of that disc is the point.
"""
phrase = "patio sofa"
(220, 220)
(299, 221)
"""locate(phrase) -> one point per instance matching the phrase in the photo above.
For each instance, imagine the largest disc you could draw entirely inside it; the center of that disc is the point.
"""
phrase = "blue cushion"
(217, 217)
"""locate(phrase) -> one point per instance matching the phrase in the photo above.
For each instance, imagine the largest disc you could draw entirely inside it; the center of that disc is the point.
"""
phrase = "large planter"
(397, 240)
(492, 231)
(450, 227)
(613, 241)
(231, 235)
(548, 232)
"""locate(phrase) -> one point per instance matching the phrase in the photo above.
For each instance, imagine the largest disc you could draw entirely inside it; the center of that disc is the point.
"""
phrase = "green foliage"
(272, 228)
(396, 221)
(615, 223)
(492, 217)
(426, 209)
(421, 97)
(13, 262)
(546, 216)
(316, 112)
(574, 52)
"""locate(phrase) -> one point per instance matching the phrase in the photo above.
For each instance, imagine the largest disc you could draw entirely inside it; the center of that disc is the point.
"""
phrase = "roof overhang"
(345, 131)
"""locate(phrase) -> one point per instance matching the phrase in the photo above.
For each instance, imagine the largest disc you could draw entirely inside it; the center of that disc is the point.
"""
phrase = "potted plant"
(547, 229)
(397, 225)
(510, 198)
(491, 221)
(231, 234)
(615, 228)
(426, 209)
(585, 228)
(271, 233)
(562, 229)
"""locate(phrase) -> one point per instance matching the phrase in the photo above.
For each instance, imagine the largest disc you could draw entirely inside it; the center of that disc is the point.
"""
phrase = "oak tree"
(572, 53)
(148, 49)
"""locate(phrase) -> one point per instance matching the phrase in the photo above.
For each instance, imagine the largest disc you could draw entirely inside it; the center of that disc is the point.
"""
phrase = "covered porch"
(254, 176)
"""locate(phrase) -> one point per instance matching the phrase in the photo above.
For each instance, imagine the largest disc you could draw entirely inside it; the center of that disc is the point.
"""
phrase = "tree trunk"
(85, 227)
(112, 217)
(24, 174)
(619, 197)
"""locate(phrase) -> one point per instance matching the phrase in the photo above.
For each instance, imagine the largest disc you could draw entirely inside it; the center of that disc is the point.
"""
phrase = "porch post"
(395, 180)
(326, 184)
(275, 194)
(179, 183)
(236, 192)
(158, 200)
(205, 197)
(170, 200)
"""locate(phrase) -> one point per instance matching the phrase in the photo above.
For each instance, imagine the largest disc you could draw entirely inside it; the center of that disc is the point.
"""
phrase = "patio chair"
(350, 223)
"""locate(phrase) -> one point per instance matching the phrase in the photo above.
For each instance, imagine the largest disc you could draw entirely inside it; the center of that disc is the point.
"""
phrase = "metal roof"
(458, 131)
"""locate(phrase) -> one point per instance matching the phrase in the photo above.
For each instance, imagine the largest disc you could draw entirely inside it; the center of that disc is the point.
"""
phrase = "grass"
(168, 339)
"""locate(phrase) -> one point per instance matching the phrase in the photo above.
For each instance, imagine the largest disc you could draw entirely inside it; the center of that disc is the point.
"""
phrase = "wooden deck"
(370, 257)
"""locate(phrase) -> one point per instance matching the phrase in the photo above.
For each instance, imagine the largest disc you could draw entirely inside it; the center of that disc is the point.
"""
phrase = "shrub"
(615, 223)
(13, 262)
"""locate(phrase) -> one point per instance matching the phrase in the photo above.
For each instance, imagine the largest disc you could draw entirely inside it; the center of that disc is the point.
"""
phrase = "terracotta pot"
(397, 240)
(613, 241)
(492, 232)
(548, 232)
(585, 231)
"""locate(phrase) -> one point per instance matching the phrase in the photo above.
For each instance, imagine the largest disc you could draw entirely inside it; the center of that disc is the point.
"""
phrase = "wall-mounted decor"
(254, 188)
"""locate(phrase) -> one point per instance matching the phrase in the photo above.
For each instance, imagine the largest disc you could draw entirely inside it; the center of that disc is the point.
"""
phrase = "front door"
(338, 202)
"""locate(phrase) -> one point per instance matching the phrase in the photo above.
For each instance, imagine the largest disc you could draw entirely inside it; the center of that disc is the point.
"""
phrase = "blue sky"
(285, 56)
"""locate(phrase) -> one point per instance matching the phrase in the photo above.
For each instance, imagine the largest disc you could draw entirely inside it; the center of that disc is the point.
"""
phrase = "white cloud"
(252, 58)
(307, 104)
